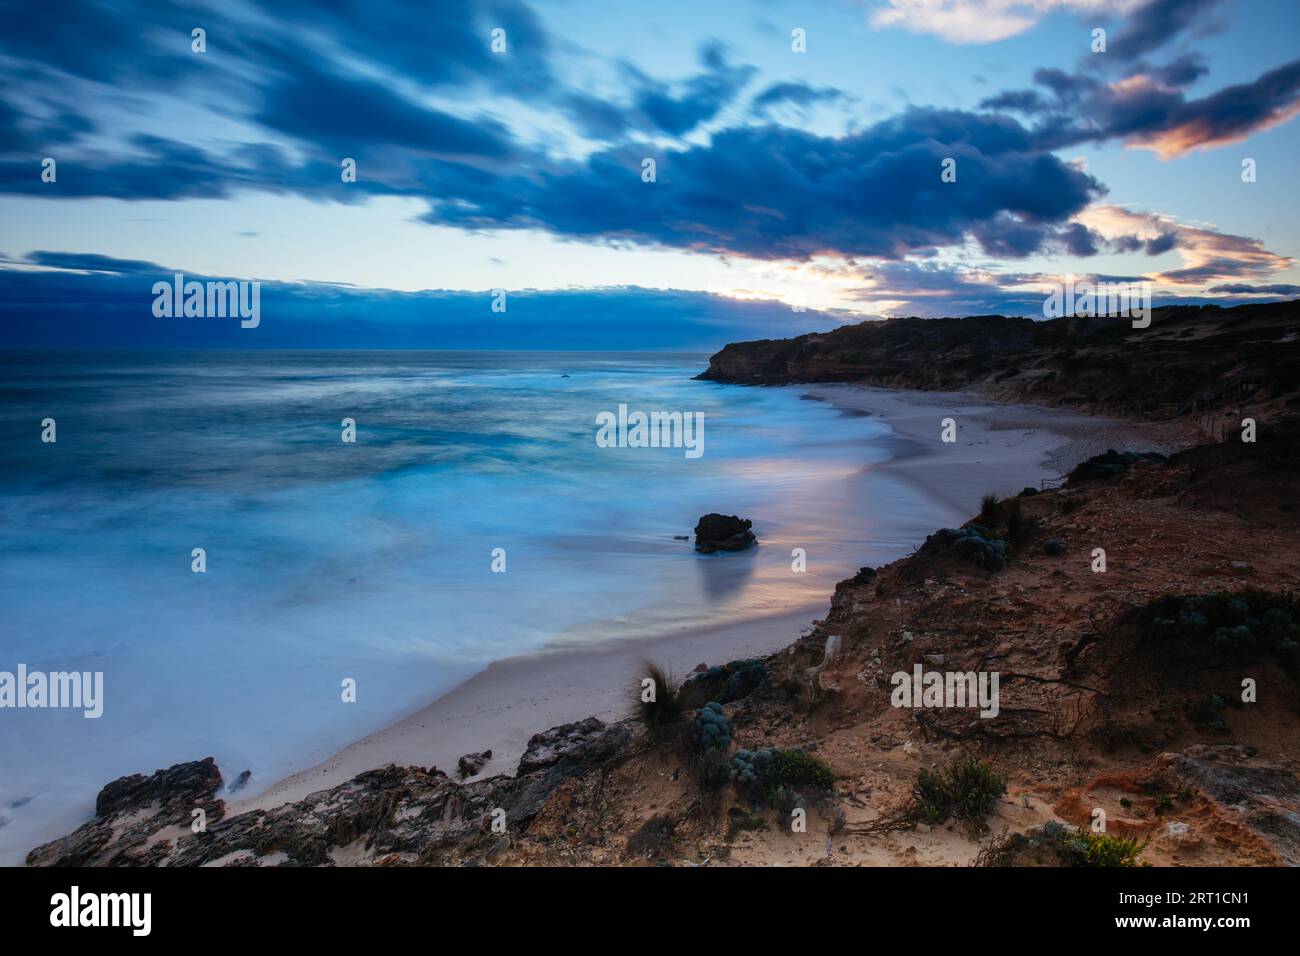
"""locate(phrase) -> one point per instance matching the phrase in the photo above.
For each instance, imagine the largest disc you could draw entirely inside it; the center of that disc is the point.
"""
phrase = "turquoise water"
(370, 560)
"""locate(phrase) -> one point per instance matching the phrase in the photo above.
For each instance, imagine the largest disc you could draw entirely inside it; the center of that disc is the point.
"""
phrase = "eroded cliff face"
(1190, 359)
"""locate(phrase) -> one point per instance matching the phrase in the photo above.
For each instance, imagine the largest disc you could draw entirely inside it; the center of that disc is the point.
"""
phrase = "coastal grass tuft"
(1015, 520)
(989, 509)
(667, 708)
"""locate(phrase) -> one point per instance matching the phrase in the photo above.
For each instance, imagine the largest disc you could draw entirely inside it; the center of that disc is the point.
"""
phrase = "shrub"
(974, 543)
(863, 576)
(795, 768)
(727, 682)
(989, 509)
(743, 680)
(1230, 621)
(749, 770)
(1056, 843)
(965, 789)
(667, 708)
(1111, 464)
(778, 777)
(1098, 849)
(711, 728)
(784, 799)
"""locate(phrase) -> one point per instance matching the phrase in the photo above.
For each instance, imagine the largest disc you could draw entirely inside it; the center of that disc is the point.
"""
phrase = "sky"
(798, 151)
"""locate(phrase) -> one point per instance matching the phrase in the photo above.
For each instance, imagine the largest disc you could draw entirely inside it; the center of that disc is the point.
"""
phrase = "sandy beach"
(999, 448)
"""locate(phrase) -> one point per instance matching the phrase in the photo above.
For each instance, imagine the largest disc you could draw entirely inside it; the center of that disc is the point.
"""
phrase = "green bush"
(711, 728)
(1099, 849)
(784, 799)
(749, 769)
(727, 682)
(1110, 465)
(965, 789)
(779, 778)
(794, 768)
(974, 543)
(1230, 621)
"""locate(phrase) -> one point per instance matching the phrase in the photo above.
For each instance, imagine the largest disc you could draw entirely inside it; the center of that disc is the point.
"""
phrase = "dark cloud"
(1241, 288)
(933, 290)
(350, 78)
(796, 94)
(158, 168)
(437, 44)
(347, 116)
(1079, 240)
(651, 105)
(1161, 243)
(92, 262)
(1146, 105)
(1181, 72)
(443, 43)
(1155, 24)
(677, 109)
(775, 192)
(1019, 101)
(92, 40)
(1146, 110)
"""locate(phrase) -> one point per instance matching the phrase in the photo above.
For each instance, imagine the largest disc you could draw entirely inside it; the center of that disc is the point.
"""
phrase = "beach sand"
(999, 448)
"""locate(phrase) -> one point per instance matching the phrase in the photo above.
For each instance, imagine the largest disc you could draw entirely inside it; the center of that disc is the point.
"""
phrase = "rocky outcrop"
(392, 815)
(582, 742)
(131, 810)
(1189, 360)
(470, 765)
(716, 532)
(1240, 788)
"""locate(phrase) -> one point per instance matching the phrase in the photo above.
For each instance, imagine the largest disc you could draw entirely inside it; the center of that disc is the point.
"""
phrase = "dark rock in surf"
(716, 532)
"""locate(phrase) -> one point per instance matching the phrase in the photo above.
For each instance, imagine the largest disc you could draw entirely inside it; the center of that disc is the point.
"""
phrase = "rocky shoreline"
(1190, 360)
(1142, 619)
(1094, 714)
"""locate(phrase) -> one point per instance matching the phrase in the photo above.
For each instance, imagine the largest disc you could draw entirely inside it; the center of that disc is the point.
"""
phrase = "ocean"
(373, 560)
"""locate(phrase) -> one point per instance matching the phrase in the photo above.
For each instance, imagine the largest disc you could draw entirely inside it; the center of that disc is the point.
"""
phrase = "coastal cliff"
(1142, 621)
(1189, 359)
(1118, 692)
